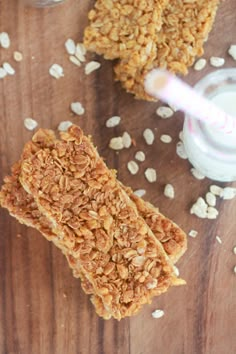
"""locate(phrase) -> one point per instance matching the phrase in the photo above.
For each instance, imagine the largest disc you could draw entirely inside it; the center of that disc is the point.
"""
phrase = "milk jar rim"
(203, 152)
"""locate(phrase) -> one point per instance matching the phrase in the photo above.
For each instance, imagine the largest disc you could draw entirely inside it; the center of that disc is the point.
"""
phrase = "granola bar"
(186, 25)
(119, 28)
(173, 239)
(117, 251)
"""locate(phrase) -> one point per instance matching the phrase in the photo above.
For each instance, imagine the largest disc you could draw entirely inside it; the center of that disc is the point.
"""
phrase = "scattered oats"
(197, 174)
(140, 193)
(77, 108)
(217, 62)
(132, 167)
(149, 136)
(8, 68)
(64, 125)
(228, 193)
(232, 51)
(91, 66)
(193, 233)
(181, 135)
(3, 73)
(80, 52)
(164, 112)
(113, 122)
(199, 208)
(166, 138)
(218, 239)
(216, 190)
(176, 270)
(180, 150)
(116, 143)
(74, 60)
(211, 199)
(127, 141)
(234, 250)
(18, 56)
(70, 46)
(30, 123)
(212, 213)
(140, 156)
(158, 313)
(5, 40)
(235, 270)
(200, 64)
(151, 175)
(169, 191)
(56, 71)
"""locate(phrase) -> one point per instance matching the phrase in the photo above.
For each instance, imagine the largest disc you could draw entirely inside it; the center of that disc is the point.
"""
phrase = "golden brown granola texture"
(120, 27)
(22, 205)
(185, 27)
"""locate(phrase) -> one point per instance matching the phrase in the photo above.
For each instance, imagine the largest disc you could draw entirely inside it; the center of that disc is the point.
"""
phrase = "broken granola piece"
(118, 29)
(185, 28)
(173, 239)
(76, 191)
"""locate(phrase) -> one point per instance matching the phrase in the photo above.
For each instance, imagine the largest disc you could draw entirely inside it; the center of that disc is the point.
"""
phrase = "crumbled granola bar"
(119, 28)
(117, 251)
(149, 34)
(186, 26)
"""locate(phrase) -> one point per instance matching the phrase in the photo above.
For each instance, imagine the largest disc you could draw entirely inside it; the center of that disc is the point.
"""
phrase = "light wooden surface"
(42, 307)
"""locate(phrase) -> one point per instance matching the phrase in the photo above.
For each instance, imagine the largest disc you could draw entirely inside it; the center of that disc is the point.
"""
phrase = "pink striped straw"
(161, 84)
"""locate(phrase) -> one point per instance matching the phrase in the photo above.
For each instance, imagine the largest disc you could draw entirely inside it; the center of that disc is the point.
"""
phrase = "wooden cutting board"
(42, 307)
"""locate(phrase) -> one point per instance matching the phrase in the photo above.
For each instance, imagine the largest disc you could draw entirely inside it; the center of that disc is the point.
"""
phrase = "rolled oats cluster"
(148, 34)
(120, 247)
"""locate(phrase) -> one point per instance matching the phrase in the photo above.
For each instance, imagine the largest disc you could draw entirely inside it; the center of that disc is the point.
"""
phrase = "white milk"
(209, 150)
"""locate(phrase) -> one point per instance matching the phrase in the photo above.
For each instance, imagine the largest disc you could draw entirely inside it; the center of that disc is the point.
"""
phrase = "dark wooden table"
(42, 307)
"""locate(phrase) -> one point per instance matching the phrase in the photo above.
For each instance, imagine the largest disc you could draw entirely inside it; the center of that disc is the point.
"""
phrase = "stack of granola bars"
(144, 34)
(120, 247)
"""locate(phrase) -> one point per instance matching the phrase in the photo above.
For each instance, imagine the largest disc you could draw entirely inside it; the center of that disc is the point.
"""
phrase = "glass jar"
(210, 150)
(42, 3)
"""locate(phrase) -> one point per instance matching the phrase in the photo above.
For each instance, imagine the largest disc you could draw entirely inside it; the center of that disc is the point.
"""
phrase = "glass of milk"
(210, 150)
(42, 3)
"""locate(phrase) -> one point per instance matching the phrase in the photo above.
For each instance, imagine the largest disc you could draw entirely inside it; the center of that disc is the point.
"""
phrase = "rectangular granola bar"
(117, 251)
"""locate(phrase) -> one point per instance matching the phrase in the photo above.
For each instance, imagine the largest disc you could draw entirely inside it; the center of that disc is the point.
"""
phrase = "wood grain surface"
(42, 307)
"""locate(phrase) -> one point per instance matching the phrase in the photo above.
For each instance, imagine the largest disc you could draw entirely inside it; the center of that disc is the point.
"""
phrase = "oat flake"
(164, 112)
(218, 239)
(149, 136)
(140, 193)
(18, 56)
(77, 108)
(180, 150)
(127, 141)
(70, 46)
(169, 191)
(30, 123)
(133, 167)
(197, 174)
(234, 250)
(5, 40)
(158, 313)
(200, 64)
(211, 199)
(74, 60)
(91, 66)
(116, 143)
(113, 122)
(56, 71)
(216, 190)
(3, 73)
(8, 68)
(64, 125)
(232, 51)
(140, 156)
(166, 138)
(150, 175)
(193, 233)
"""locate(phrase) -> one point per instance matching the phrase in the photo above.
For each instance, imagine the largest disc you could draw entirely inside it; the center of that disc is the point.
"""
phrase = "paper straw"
(161, 84)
